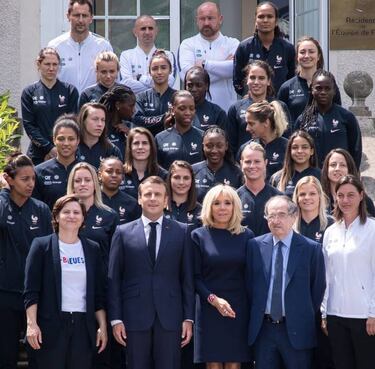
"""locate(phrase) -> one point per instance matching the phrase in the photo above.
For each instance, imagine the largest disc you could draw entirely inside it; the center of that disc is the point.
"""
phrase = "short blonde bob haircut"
(234, 225)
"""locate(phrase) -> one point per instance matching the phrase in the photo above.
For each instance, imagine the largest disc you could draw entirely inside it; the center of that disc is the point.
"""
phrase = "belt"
(73, 315)
(268, 318)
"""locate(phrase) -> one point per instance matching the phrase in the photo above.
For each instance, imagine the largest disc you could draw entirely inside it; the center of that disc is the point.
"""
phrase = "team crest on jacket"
(121, 211)
(98, 220)
(190, 217)
(275, 156)
(206, 118)
(335, 123)
(193, 146)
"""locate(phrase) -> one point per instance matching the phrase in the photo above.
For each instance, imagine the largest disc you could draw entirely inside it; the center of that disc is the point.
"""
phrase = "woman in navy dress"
(222, 306)
(300, 161)
(182, 195)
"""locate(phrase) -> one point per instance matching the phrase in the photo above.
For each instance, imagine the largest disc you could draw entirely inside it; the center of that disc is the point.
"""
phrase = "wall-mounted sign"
(352, 24)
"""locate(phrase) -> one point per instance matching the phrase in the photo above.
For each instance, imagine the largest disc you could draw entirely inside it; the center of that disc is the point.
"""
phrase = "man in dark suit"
(151, 289)
(286, 282)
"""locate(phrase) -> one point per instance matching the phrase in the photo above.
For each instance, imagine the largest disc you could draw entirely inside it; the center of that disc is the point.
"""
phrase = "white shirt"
(135, 62)
(349, 255)
(147, 230)
(214, 53)
(78, 58)
(73, 277)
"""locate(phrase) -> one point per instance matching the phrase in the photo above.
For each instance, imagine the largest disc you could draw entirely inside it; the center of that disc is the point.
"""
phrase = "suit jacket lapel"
(294, 255)
(140, 232)
(164, 239)
(57, 267)
(266, 252)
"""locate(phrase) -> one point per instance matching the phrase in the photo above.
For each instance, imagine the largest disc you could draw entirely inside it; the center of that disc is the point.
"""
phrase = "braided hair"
(310, 115)
(203, 74)
(112, 96)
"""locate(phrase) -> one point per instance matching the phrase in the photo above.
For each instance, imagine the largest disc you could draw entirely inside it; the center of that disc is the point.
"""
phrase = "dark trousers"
(322, 355)
(155, 348)
(273, 349)
(187, 357)
(12, 323)
(114, 355)
(352, 347)
(72, 349)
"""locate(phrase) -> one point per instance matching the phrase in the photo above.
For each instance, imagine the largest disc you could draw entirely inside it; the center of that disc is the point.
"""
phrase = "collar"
(287, 240)
(147, 221)
(210, 42)
(138, 48)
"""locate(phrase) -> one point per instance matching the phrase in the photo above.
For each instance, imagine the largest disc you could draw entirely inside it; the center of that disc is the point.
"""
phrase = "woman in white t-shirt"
(64, 292)
(348, 307)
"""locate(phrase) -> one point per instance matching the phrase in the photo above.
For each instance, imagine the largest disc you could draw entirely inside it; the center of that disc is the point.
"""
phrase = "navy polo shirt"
(289, 188)
(96, 153)
(51, 180)
(181, 214)
(280, 56)
(205, 178)
(295, 93)
(337, 128)
(172, 145)
(124, 205)
(131, 182)
(253, 208)
(151, 108)
(208, 114)
(312, 230)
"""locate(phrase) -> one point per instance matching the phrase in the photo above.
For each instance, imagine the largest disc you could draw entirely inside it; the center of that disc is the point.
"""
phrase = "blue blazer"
(43, 285)
(137, 290)
(304, 287)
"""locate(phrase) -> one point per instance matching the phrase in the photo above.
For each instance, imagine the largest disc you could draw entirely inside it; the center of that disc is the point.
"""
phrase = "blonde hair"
(273, 111)
(234, 225)
(254, 146)
(107, 56)
(323, 202)
(97, 191)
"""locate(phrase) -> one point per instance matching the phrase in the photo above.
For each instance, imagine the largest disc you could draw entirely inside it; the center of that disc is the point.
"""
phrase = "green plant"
(8, 129)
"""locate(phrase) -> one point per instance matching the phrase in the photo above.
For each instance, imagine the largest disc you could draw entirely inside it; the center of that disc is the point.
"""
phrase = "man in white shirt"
(150, 286)
(213, 51)
(79, 47)
(135, 62)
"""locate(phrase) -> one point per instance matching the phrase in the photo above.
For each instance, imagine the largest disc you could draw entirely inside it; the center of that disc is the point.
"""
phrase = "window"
(114, 19)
